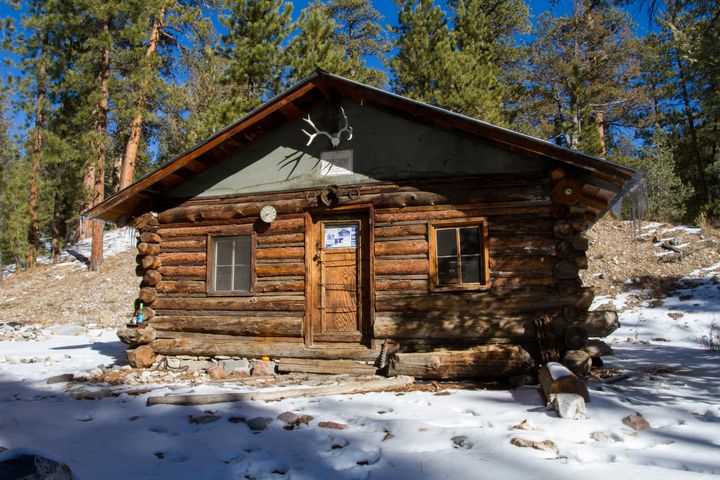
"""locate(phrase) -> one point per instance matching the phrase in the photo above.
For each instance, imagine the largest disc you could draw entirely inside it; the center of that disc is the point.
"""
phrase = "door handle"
(316, 257)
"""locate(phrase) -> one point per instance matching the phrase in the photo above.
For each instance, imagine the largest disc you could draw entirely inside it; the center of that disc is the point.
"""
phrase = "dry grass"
(68, 293)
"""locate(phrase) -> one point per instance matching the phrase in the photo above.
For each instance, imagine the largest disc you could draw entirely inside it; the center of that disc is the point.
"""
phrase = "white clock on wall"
(268, 213)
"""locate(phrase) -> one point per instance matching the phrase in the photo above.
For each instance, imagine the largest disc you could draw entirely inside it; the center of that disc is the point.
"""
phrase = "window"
(459, 255)
(230, 266)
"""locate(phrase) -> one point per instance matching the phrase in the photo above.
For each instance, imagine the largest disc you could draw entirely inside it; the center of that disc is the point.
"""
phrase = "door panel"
(341, 275)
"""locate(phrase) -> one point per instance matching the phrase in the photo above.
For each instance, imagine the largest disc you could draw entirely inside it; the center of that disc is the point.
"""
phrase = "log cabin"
(341, 223)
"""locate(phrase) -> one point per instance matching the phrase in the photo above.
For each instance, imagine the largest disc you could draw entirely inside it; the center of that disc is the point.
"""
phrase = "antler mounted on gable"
(334, 137)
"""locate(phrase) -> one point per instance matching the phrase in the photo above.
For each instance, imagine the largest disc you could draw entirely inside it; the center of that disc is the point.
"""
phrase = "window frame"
(481, 223)
(210, 270)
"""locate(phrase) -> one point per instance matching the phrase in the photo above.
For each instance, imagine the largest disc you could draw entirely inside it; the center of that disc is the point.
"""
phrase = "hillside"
(67, 293)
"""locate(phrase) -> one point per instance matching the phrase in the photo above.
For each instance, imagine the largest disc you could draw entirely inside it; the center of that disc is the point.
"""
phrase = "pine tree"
(583, 76)
(13, 196)
(666, 195)
(195, 112)
(253, 50)
(360, 34)
(466, 68)
(423, 44)
(315, 47)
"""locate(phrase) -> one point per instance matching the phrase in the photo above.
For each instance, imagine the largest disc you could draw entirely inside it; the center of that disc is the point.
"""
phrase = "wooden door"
(340, 274)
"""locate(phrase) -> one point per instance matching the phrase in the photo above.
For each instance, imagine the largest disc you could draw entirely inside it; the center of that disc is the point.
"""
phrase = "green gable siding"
(385, 147)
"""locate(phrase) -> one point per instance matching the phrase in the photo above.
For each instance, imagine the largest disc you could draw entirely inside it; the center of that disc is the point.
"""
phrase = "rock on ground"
(23, 466)
(141, 357)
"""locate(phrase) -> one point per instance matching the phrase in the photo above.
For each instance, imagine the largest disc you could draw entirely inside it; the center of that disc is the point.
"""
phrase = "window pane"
(469, 240)
(224, 251)
(242, 278)
(446, 242)
(447, 271)
(242, 251)
(223, 280)
(471, 269)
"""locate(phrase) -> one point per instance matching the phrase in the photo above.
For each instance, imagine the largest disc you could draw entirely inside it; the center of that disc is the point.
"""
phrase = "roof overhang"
(604, 182)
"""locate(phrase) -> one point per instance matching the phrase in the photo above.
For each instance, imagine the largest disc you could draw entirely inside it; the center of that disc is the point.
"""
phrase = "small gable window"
(231, 264)
(459, 255)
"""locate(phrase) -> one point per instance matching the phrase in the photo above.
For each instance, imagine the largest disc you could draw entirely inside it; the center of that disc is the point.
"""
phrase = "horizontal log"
(400, 284)
(278, 226)
(580, 243)
(183, 258)
(384, 217)
(151, 278)
(274, 285)
(244, 347)
(150, 262)
(150, 237)
(486, 361)
(521, 263)
(562, 230)
(453, 325)
(518, 302)
(280, 252)
(401, 248)
(400, 231)
(401, 267)
(183, 271)
(527, 243)
(279, 269)
(519, 282)
(336, 367)
(182, 286)
(210, 212)
(187, 245)
(146, 220)
(148, 295)
(266, 239)
(471, 194)
(148, 248)
(231, 325)
(270, 303)
(566, 270)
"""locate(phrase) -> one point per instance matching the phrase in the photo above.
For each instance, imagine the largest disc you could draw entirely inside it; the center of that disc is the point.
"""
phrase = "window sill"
(230, 294)
(460, 288)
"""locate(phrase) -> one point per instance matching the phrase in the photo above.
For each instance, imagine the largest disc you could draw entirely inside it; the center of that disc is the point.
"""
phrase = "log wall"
(536, 248)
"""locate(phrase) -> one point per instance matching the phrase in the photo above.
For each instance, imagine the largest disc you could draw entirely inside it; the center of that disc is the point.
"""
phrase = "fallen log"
(555, 378)
(483, 361)
(374, 385)
(563, 391)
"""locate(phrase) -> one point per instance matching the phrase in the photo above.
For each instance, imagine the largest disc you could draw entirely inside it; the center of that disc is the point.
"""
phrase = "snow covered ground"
(667, 377)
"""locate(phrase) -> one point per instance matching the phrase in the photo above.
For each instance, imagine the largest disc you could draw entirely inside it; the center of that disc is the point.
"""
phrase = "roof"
(604, 182)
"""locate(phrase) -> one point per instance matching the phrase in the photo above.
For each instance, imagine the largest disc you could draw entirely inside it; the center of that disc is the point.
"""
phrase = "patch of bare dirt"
(661, 255)
(69, 294)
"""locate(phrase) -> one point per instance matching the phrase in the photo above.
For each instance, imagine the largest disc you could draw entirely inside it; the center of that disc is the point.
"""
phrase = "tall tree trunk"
(56, 228)
(133, 143)
(33, 237)
(84, 229)
(695, 147)
(600, 122)
(96, 253)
